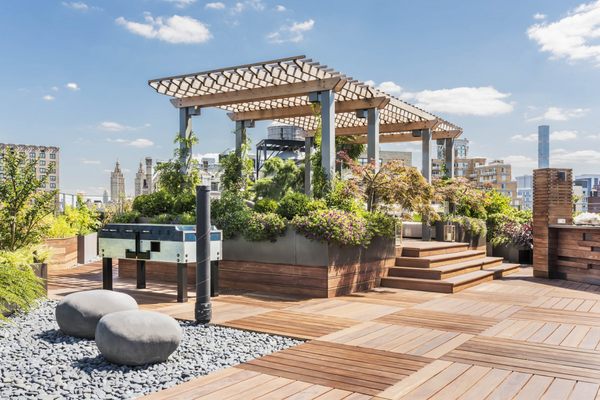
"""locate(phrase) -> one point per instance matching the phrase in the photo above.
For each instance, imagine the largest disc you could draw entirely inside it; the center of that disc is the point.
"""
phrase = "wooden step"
(502, 270)
(448, 285)
(440, 259)
(446, 271)
(423, 249)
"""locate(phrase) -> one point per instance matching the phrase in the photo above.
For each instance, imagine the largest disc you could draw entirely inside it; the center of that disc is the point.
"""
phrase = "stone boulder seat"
(137, 337)
(78, 314)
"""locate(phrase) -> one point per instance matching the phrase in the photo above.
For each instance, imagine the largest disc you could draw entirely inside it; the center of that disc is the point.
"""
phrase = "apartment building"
(48, 161)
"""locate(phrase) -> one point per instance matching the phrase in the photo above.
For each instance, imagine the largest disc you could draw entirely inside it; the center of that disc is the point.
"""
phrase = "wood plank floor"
(515, 338)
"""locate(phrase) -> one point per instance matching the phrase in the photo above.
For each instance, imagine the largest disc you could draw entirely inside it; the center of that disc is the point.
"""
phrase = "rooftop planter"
(296, 265)
(64, 252)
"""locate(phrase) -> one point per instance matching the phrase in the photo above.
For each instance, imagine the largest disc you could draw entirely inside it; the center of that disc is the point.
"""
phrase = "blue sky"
(74, 74)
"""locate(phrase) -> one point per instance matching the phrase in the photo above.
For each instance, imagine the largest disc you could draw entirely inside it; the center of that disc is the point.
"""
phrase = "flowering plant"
(267, 226)
(332, 225)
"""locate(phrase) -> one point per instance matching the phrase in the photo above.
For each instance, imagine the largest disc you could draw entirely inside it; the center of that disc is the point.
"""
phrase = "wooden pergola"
(301, 92)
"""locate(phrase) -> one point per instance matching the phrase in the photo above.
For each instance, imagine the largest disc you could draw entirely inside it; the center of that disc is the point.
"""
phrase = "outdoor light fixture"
(314, 97)
(362, 114)
(449, 233)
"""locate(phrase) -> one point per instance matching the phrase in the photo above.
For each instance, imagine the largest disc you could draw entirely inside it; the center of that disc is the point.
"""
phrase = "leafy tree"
(24, 206)
(171, 176)
(238, 169)
(280, 177)
(393, 184)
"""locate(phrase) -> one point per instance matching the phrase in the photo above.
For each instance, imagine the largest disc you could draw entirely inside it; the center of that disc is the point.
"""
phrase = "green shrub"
(381, 224)
(163, 219)
(187, 218)
(230, 213)
(126, 217)
(335, 226)
(262, 227)
(19, 286)
(149, 205)
(292, 204)
(341, 197)
(316, 204)
(265, 205)
(184, 203)
(474, 226)
(60, 228)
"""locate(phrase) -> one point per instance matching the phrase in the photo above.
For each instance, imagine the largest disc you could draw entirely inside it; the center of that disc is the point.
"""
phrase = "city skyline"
(93, 100)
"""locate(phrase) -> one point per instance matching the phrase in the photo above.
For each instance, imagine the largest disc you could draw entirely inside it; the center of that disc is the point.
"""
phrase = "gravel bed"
(38, 362)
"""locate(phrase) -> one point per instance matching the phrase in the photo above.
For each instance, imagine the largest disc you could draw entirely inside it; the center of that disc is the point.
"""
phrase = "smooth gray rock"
(137, 337)
(78, 313)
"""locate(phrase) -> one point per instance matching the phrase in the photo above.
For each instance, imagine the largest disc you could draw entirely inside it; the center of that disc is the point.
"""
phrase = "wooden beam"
(388, 128)
(258, 94)
(307, 110)
(408, 137)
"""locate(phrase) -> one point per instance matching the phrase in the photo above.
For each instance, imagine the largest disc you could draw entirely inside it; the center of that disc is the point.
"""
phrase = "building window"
(53, 156)
(52, 178)
(32, 155)
(42, 162)
(42, 154)
(53, 186)
(42, 170)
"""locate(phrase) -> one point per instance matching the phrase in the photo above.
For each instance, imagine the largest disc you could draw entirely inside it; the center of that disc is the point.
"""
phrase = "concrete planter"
(511, 253)
(64, 253)
(295, 265)
(475, 241)
(87, 248)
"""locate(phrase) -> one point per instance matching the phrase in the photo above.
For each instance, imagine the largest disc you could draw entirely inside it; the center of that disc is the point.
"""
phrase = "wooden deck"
(519, 337)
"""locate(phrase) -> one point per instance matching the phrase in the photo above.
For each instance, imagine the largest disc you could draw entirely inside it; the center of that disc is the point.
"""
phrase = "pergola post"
(327, 99)
(185, 131)
(240, 137)
(449, 157)
(373, 136)
(426, 171)
(308, 145)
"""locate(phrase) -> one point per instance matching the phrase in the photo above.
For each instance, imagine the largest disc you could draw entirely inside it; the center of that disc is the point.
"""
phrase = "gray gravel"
(38, 362)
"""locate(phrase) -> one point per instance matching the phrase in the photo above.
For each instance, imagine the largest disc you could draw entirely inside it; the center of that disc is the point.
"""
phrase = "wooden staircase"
(443, 267)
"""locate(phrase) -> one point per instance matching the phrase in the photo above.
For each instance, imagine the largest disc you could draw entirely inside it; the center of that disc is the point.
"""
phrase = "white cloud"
(76, 5)
(520, 161)
(390, 87)
(557, 136)
(182, 3)
(280, 8)
(560, 114)
(111, 126)
(568, 158)
(241, 6)
(479, 101)
(54, 88)
(141, 143)
(525, 138)
(539, 16)
(573, 37)
(215, 6)
(72, 86)
(563, 136)
(175, 29)
(48, 97)
(291, 33)
(89, 162)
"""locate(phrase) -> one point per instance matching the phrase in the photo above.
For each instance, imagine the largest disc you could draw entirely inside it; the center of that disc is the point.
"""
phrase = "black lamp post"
(203, 309)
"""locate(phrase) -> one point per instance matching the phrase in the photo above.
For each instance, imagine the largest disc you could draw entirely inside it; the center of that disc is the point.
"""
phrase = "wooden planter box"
(295, 265)
(87, 248)
(64, 253)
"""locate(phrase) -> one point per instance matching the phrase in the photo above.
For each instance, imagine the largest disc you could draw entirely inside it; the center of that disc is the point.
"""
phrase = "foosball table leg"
(141, 274)
(182, 296)
(107, 277)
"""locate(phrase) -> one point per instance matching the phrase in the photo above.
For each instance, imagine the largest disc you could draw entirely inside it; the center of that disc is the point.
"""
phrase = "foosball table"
(174, 244)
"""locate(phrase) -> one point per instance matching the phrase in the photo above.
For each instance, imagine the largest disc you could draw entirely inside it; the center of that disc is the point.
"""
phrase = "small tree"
(392, 184)
(24, 206)
(280, 177)
(170, 174)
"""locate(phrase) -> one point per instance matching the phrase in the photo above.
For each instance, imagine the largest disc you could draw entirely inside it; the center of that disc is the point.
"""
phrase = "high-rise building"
(144, 178)
(543, 146)
(525, 191)
(105, 197)
(117, 184)
(497, 175)
(48, 161)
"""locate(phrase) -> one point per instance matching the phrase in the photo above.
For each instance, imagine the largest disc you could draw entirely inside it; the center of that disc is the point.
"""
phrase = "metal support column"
(203, 309)
(107, 278)
(426, 171)
(185, 131)
(327, 99)
(240, 137)
(449, 157)
(182, 295)
(141, 274)
(308, 145)
(373, 136)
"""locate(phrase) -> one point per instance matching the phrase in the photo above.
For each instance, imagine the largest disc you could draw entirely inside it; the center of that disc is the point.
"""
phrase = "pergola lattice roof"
(278, 90)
